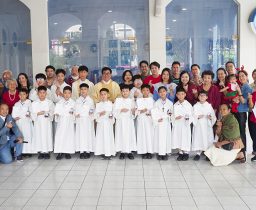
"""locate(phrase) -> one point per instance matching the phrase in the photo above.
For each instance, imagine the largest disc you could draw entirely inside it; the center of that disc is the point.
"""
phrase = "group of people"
(149, 113)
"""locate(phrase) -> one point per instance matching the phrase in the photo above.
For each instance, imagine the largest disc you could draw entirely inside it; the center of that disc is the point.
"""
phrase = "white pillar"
(157, 33)
(247, 38)
(39, 33)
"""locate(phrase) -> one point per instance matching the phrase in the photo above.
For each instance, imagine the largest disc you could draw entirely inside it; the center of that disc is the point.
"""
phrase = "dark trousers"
(242, 118)
(252, 130)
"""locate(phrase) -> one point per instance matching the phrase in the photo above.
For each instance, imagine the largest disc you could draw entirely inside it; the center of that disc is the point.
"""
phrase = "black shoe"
(107, 158)
(67, 156)
(185, 157)
(40, 156)
(82, 156)
(253, 159)
(207, 159)
(87, 155)
(59, 156)
(144, 156)
(197, 157)
(47, 156)
(19, 158)
(130, 156)
(165, 157)
(180, 157)
(149, 156)
(122, 156)
(159, 157)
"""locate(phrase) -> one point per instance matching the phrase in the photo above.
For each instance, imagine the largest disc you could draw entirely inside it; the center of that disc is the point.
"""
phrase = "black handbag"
(228, 146)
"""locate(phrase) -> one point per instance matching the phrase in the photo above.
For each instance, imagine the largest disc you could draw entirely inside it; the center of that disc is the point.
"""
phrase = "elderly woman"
(6, 75)
(229, 145)
(11, 96)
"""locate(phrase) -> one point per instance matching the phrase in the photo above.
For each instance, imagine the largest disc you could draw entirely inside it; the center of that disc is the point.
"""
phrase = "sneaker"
(180, 157)
(253, 159)
(67, 156)
(144, 156)
(40, 156)
(47, 156)
(87, 155)
(185, 157)
(197, 157)
(19, 158)
(149, 156)
(82, 155)
(165, 157)
(159, 157)
(59, 156)
(122, 156)
(130, 156)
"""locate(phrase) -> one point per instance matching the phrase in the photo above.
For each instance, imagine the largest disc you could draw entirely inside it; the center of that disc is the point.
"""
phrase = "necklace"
(163, 103)
(12, 99)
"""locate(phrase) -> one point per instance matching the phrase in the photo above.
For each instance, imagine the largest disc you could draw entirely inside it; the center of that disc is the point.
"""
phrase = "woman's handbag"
(228, 146)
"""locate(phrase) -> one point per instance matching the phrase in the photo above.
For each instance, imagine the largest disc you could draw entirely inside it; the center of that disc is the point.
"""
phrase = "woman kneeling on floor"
(229, 146)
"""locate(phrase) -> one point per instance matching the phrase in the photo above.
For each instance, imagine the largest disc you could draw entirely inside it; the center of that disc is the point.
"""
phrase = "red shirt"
(153, 81)
(10, 100)
(252, 116)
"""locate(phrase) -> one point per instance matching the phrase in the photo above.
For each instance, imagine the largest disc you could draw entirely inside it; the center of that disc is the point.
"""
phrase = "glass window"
(15, 37)
(204, 32)
(98, 33)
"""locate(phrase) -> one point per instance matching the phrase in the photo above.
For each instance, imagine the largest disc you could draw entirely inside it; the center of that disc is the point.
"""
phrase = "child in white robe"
(181, 122)
(85, 131)
(40, 81)
(161, 113)
(145, 123)
(58, 86)
(203, 120)
(65, 133)
(42, 113)
(136, 90)
(125, 137)
(105, 143)
(21, 113)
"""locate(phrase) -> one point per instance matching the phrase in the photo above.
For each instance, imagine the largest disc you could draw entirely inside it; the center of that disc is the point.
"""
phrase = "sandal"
(243, 159)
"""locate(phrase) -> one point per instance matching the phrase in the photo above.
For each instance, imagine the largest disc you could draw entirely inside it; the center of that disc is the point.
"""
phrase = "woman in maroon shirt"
(11, 96)
(213, 91)
(221, 83)
(190, 88)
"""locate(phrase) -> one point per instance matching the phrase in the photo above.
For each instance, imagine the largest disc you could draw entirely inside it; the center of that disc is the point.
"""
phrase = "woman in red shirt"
(11, 96)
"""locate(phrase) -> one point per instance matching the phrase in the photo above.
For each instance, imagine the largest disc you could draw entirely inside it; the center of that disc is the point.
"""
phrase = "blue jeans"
(5, 151)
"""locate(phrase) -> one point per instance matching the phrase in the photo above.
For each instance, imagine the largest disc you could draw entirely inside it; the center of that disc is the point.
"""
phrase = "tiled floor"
(128, 185)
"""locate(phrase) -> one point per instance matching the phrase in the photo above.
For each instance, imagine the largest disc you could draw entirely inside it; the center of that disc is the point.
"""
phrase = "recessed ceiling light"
(109, 11)
(174, 20)
(184, 9)
(55, 23)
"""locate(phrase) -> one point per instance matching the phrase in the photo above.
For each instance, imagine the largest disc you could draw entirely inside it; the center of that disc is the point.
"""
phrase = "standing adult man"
(230, 67)
(176, 72)
(195, 74)
(50, 76)
(144, 70)
(74, 76)
(155, 77)
(106, 82)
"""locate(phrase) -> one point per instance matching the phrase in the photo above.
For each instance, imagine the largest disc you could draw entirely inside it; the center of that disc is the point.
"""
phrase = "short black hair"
(154, 64)
(124, 86)
(106, 69)
(175, 62)
(67, 88)
(208, 72)
(84, 85)
(254, 71)
(145, 86)
(83, 68)
(137, 76)
(203, 92)
(193, 65)
(227, 105)
(40, 76)
(230, 76)
(143, 61)
(23, 90)
(41, 88)
(229, 63)
(162, 87)
(124, 73)
(49, 67)
(60, 71)
(180, 89)
(104, 90)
